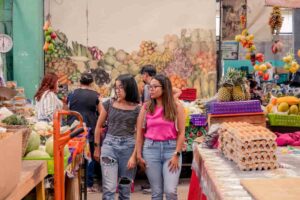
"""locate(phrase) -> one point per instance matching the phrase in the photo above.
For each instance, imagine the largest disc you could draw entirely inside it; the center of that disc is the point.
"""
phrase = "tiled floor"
(183, 189)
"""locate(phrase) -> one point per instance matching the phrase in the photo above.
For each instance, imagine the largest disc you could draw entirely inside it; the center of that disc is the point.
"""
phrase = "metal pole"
(219, 63)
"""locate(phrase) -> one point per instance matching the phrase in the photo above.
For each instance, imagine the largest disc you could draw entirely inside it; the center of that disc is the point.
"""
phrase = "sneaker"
(146, 191)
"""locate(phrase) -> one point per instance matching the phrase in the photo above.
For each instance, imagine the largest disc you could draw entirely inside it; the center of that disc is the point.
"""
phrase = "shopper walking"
(147, 72)
(118, 154)
(86, 101)
(46, 99)
(159, 144)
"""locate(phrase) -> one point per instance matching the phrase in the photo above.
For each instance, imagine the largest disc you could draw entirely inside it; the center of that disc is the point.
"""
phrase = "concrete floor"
(183, 189)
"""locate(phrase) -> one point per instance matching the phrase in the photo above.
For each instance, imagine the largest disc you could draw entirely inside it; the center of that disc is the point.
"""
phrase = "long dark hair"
(168, 102)
(49, 82)
(130, 87)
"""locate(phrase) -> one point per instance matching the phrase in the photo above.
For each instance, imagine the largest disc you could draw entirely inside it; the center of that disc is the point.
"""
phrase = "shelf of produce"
(257, 119)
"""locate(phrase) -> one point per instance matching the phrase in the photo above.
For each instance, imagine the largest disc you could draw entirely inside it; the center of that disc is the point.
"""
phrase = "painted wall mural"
(187, 56)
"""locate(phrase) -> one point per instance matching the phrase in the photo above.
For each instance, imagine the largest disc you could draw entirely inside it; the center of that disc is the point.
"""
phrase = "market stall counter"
(32, 176)
(220, 179)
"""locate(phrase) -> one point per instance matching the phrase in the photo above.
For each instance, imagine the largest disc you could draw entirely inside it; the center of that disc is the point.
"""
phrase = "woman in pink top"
(160, 137)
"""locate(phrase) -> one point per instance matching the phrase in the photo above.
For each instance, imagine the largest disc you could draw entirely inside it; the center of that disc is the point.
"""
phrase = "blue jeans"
(157, 155)
(115, 153)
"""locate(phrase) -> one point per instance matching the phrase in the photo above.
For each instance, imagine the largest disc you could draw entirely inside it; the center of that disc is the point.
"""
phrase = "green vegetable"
(15, 120)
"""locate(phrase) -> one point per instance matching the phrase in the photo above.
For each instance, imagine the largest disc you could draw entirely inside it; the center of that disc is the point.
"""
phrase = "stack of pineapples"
(233, 86)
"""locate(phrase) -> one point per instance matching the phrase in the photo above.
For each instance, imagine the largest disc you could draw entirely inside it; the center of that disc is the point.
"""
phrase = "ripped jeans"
(115, 153)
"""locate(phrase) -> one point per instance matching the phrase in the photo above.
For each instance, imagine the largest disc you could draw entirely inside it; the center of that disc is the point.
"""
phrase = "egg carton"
(251, 147)
(256, 158)
(258, 166)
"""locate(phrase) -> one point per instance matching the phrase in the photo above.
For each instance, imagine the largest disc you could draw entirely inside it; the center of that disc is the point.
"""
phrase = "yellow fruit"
(294, 64)
(248, 56)
(251, 37)
(238, 38)
(256, 67)
(253, 48)
(291, 100)
(293, 110)
(293, 70)
(287, 59)
(263, 67)
(298, 53)
(283, 107)
(245, 32)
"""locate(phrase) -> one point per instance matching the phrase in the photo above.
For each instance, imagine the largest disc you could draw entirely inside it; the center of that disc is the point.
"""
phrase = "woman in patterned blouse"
(46, 100)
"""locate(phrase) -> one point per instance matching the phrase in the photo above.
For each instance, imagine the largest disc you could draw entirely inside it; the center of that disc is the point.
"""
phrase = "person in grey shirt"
(147, 72)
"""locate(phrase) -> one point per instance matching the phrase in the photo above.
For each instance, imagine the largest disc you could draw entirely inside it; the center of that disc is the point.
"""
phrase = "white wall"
(124, 24)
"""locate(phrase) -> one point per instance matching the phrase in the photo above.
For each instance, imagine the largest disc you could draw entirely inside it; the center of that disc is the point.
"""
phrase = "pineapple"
(225, 94)
(233, 86)
(225, 90)
(239, 92)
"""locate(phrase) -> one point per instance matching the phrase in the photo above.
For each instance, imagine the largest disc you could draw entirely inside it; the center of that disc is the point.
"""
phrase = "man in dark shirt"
(86, 101)
(147, 72)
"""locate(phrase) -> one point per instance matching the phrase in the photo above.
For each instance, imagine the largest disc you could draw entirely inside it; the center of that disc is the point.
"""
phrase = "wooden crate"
(257, 119)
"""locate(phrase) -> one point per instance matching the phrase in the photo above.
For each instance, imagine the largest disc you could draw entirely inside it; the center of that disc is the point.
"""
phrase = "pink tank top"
(157, 128)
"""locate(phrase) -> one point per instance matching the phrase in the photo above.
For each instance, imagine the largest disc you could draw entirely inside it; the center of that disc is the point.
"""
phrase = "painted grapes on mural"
(189, 60)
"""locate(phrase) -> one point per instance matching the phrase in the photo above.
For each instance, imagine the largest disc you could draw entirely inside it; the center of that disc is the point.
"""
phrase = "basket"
(284, 120)
(233, 107)
(188, 94)
(198, 120)
(22, 129)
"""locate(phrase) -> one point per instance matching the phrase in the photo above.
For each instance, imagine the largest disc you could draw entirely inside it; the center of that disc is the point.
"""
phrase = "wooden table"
(32, 176)
(257, 119)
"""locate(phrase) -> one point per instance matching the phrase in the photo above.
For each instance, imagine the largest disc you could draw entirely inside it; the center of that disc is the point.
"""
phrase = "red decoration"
(266, 76)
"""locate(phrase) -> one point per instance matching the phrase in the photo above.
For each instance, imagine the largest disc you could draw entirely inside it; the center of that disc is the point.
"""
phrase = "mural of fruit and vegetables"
(189, 59)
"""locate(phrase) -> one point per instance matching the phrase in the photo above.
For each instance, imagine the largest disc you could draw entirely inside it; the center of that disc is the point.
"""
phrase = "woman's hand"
(97, 154)
(141, 162)
(174, 164)
(131, 162)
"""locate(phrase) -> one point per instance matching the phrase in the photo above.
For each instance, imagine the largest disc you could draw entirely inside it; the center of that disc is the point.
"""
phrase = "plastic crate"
(188, 94)
(198, 120)
(233, 107)
(50, 163)
(284, 120)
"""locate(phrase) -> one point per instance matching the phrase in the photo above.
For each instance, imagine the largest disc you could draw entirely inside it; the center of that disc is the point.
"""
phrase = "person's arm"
(176, 93)
(174, 162)
(140, 137)
(98, 131)
(181, 127)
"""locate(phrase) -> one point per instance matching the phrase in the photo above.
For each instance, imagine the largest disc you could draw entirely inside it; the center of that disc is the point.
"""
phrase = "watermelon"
(37, 154)
(49, 147)
(34, 142)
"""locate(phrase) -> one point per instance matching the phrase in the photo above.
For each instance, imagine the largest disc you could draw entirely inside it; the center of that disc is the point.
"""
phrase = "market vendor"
(46, 99)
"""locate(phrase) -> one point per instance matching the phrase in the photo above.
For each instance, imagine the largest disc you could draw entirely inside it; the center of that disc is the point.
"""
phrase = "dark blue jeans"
(91, 167)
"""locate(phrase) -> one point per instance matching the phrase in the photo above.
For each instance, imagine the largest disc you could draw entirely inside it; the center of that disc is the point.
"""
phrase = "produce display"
(233, 87)
(288, 105)
(291, 63)
(250, 147)
(186, 58)
(15, 120)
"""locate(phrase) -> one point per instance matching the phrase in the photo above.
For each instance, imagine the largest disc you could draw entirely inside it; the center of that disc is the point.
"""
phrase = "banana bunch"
(275, 20)
(157, 59)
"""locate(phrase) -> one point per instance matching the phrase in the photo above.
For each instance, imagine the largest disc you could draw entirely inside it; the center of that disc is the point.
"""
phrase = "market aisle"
(183, 190)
